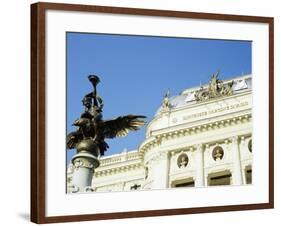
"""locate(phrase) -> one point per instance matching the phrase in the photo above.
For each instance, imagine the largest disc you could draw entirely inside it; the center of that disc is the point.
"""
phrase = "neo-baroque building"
(201, 137)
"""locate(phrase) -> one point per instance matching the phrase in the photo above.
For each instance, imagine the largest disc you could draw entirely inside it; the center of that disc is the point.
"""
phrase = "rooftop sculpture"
(216, 88)
(166, 105)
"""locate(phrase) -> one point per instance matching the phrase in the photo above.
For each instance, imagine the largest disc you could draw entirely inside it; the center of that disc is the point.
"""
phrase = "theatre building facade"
(202, 137)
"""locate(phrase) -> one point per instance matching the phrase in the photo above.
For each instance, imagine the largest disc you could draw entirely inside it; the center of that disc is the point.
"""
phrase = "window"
(248, 175)
(220, 178)
(188, 182)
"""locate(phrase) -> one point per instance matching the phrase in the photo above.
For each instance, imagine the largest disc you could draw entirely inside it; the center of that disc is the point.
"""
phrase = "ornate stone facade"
(192, 142)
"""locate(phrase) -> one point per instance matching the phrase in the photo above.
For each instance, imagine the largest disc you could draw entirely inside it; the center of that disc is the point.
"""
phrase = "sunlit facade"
(202, 137)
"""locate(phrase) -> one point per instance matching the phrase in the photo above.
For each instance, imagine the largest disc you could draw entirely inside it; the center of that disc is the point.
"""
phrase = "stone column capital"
(199, 147)
(192, 148)
(163, 155)
(237, 170)
(235, 139)
(199, 181)
(172, 153)
(85, 160)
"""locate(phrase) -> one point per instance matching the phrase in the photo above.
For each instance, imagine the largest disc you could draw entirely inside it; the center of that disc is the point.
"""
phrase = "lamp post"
(89, 137)
(85, 161)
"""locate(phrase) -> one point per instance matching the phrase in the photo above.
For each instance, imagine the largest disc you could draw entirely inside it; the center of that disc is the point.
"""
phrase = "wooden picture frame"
(38, 108)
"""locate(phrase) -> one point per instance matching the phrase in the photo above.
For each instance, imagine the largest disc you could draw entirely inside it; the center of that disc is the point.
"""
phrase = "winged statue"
(91, 126)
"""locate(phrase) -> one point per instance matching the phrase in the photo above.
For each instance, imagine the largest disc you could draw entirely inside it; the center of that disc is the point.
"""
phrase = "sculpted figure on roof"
(216, 88)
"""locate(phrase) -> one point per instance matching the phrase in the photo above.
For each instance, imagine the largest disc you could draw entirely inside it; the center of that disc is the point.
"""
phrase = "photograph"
(156, 112)
(135, 104)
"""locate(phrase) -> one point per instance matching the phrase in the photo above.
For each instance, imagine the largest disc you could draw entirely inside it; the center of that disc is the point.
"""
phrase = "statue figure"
(93, 130)
(92, 102)
(166, 102)
(201, 95)
(227, 89)
(182, 160)
(218, 153)
(216, 88)
(214, 85)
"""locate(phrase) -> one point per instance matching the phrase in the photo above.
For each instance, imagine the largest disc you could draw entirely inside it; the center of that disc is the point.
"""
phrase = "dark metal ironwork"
(92, 130)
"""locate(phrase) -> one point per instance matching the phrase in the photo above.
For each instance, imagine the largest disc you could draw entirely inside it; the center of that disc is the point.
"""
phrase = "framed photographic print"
(131, 105)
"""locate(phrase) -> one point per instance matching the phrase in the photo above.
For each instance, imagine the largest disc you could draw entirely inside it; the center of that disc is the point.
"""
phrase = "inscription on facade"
(212, 111)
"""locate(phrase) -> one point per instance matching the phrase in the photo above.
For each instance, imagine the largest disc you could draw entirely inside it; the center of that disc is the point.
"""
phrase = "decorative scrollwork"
(73, 189)
(89, 189)
(80, 163)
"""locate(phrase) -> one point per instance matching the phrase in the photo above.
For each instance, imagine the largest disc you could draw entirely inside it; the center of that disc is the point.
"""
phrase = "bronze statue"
(92, 129)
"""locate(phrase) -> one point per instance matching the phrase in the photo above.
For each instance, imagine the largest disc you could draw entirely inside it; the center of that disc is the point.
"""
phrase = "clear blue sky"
(136, 71)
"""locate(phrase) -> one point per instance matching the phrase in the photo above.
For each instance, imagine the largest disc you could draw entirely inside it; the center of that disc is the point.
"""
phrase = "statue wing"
(122, 125)
(73, 138)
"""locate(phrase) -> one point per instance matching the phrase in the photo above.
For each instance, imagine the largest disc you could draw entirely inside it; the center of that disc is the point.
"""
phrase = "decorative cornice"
(157, 139)
(196, 104)
(120, 169)
(119, 158)
(159, 156)
(235, 139)
(199, 147)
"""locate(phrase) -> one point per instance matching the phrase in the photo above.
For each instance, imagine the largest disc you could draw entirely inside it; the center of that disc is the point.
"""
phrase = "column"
(206, 150)
(199, 180)
(160, 171)
(237, 170)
